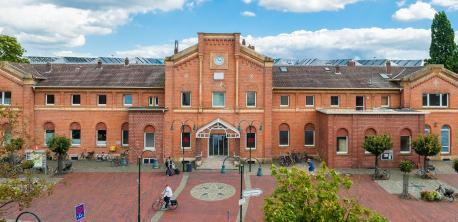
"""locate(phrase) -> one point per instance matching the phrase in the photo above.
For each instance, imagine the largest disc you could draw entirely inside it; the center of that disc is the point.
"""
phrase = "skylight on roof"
(385, 76)
(283, 69)
(327, 69)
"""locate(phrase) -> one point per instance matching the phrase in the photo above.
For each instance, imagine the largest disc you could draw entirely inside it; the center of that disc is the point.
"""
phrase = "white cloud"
(407, 43)
(305, 6)
(248, 14)
(247, 1)
(417, 11)
(56, 24)
(450, 4)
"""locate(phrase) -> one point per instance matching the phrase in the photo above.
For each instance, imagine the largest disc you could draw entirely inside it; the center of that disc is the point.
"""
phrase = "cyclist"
(167, 194)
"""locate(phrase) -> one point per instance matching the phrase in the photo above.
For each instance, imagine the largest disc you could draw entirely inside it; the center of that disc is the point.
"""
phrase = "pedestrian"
(311, 166)
(169, 167)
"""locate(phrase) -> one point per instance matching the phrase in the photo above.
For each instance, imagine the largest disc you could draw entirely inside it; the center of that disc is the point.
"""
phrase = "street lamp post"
(241, 191)
(250, 126)
(183, 123)
(139, 157)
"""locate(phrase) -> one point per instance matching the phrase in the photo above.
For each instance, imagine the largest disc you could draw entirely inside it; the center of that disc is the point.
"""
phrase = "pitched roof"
(326, 77)
(88, 75)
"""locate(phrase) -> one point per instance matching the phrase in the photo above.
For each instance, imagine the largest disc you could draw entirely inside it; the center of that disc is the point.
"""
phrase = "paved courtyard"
(209, 196)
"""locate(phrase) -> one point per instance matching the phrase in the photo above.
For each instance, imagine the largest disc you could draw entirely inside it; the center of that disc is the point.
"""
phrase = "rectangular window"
(334, 100)
(284, 100)
(127, 100)
(5, 98)
(49, 134)
(76, 99)
(284, 138)
(125, 138)
(359, 102)
(342, 145)
(251, 140)
(218, 99)
(186, 140)
(309, 100)
(385, 101)
(185, 99)
(153, 101)
(405, 144)
(309, 137)
(101, 100)
(149, 141)
(49, 99)
(76, 137)
(435, 100)
(251, 99)
(101, 137)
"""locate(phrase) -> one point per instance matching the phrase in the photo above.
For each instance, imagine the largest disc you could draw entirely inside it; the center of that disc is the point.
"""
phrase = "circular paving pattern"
(212, 191)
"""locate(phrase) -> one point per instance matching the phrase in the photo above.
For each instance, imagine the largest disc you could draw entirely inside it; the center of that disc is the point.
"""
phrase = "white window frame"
(46, 100)
(449, 145)
(310, 145)
(440, 99)
(346, 144)
(46, 144)
(255, 141)
(98, 101)
(279, 140)
(100, 143)
(124, 100)
(71, 139)
(74, 104)
(246, 99)
(287, 105)
(153, 148)
(153, 101)
(149, 160)
(181, 141)
(410, 145)
(2, 101)
(388, 99)
(338, 101)
(313, 101)
(190, 99)
(122, 138)
(224, 99)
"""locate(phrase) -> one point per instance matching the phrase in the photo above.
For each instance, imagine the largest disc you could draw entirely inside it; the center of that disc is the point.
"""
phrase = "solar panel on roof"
(385, 76)
(283, 69)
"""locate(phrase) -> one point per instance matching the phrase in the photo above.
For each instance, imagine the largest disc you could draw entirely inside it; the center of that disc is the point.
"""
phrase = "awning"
(218, 125)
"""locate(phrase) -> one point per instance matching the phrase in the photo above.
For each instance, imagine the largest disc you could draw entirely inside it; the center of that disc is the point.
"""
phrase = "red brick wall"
(138, 120)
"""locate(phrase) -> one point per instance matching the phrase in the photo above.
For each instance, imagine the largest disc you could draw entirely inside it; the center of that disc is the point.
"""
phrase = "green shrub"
(430, 195)
(455, 165)
(405, 166)
(28, 164)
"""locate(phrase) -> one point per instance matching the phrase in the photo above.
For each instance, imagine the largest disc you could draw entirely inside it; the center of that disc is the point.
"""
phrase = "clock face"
(219, 60)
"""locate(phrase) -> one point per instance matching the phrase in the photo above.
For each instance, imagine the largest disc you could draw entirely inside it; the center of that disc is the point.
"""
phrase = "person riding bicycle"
(167, 194)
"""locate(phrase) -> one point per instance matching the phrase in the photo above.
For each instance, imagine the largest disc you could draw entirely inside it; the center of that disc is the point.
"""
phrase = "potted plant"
(377, 145)
(430, 195)
(426, 146)
(405, 167)
(59, 145)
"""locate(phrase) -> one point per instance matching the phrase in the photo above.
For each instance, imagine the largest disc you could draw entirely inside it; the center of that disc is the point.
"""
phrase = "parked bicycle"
(446, 193)
(103, 157)
(160, 203)
(285, 160)
(430, 169)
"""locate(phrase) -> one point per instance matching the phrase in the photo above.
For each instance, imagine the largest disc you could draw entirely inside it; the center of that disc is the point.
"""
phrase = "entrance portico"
(218, 132)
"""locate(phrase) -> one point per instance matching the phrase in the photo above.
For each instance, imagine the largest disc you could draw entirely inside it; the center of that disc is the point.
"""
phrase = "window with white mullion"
(435, 100)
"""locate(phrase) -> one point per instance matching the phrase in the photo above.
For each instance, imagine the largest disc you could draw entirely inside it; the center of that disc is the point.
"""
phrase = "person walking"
(169, 167)
(311, 166)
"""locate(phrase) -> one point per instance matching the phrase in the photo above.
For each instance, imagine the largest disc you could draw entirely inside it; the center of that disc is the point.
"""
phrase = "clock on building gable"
(218, 61)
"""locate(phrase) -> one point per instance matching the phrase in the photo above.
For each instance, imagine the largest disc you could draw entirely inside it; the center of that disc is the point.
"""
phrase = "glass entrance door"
(217, 145)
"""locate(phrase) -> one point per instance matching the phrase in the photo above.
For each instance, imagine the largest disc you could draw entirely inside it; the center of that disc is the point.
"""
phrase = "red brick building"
(220, 97)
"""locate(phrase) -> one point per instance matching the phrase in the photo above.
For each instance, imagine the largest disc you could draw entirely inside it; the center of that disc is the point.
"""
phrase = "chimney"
(49, 66)
(99, 64)
(388, 67)
(126, 61)
(338, 69)
(243, 42)
(351, 63)
(176, 47)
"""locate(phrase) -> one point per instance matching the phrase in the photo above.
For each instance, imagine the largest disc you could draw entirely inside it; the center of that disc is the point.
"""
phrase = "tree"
(406, 167)
(59, 145)
(443, 49)
(426, 145)
(11, 50)
(377, 145)
(300, 197)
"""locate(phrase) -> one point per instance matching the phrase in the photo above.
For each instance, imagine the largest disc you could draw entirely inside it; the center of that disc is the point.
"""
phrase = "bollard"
(223, 169)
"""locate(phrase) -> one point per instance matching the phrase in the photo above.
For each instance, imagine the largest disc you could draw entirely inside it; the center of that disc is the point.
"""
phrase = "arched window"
(406, 141)
(251, 137)
(342, 141)
(309, 135)
(49, 132)
(125, 134)
(427, 129)
(6, 134)
(149, 138)
(101, 130)
(445, 139)
(186, 137)
(283, 135)
(75, 134)
(367, 133)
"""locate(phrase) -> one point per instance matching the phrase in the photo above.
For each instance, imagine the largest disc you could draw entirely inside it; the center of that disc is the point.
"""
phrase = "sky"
(325, 29)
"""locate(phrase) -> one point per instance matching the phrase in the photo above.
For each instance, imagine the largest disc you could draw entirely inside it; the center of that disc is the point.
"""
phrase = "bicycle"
(285, 161)
(159, 203)
(446, 193)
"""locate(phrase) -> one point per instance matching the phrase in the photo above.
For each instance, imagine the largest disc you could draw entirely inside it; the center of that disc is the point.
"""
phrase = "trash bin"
(188, 167)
